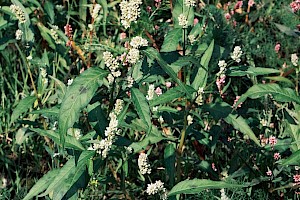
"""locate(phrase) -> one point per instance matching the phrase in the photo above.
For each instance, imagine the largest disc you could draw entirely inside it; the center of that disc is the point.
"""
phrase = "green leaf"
(278, 93)
(168, 96)
(82, 9)
(223, 110)
(197, 185)
(60, 84)
(169, 158)
(49, 8)
(54, 111)
(68, 175)
(254, 71)
(281, 79)
(22, 107)
(42, 184)
(71, 142)
(21, 136)
(239, 123)
(69, 185)
(171, 40)
(294, 159)
(153, 54)
(97, 118)
(141, 106)
(201, 76)
(104, 5)
(286, 30)
(77, 97)
(46, 34)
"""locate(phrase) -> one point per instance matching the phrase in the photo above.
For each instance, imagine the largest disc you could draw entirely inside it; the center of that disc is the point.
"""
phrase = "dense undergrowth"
(159, 99)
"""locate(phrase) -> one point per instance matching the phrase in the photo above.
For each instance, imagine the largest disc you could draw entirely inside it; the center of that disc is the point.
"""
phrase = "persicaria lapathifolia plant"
(158, 99)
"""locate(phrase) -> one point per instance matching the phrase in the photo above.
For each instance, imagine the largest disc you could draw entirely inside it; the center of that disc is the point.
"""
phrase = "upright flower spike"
(130, 11)
(183, 21)
(143, 164)
(20, 15)
(157, 188)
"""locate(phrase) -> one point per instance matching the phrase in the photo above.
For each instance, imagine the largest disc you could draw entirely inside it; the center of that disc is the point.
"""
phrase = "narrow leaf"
(239, 123)
(42, 184)
(294, 159)
(171, 40)
(22, 107)
(278, 93)
(197, 185)
(152, 53)
(254, 71)
(201, 76)
(77, 97)
(141, 106)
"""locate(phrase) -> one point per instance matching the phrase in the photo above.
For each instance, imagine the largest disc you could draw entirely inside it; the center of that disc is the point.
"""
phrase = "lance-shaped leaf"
(171, 40)
(42, 184)
(201, 76)
(278, 93)
(22, 107)
(294, 159)
(141, 106)
(254, 71)
(197, 185)
(77, 97)
(153, 54)
(169, 96)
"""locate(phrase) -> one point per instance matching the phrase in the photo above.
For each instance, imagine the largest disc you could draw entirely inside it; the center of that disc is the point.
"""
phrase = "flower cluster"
(277, 47)
(130, 11)
(75, 132)
(189, 119)
(294, 59)
(236, 54)
(54, 35)
(20, 15)
(190, 3)
(295, 5)
(157, 188)
(235, 101)
(143, 164)
(182, 21)
(223, 195)
(221, 75)
(19, 34)
(199, 99)
(150, 93)
(113, 64)
(94, 10)
(138, 41)
(192, 38)
(103, 147)
(44, 76)
(68, 30)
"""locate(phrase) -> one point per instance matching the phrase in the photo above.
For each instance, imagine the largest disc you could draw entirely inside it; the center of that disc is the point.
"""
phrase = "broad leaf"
(202, 73)
(22, 107)
(77, 97)
(197, 185)
(54, 111)
(278, 93)
(141, 106)
(171, 40)
(169, 158)
(42, 184)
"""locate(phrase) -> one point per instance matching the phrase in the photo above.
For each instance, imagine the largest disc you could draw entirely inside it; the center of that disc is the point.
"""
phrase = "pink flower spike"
(277, 47)
(251, 3)
(269, 172)
(195, 21)
(213, 166)
(168, 84)
(158, 91)
(236, 100)
(227, 16)
(277, 156)
(238, 5)
(68, 30)
(272, 140)
(122, 36)
(296, 178)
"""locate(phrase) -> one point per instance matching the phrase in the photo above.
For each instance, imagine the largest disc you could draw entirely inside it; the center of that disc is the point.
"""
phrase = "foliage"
(157, 99)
